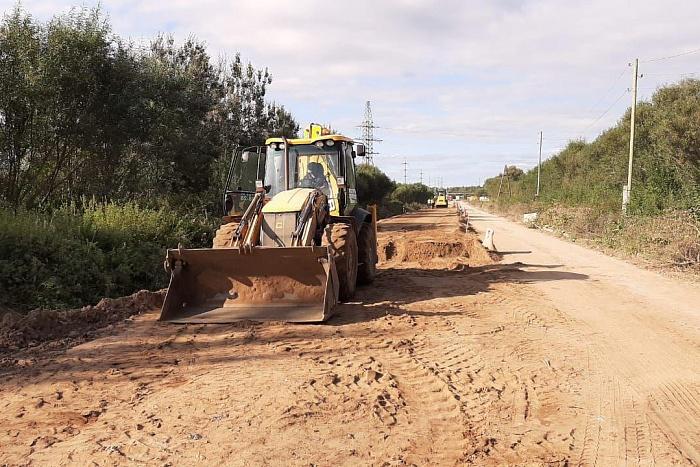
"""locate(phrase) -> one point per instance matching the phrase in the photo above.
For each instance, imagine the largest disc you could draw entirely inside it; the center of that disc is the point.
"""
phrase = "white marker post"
(488, 240)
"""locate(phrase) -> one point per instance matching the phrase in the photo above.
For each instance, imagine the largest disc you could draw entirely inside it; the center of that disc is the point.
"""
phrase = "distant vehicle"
(484, 198)
(441, 199)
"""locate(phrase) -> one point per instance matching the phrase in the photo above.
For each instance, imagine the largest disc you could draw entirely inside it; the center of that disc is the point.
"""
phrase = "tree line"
(85, 113)
(391, 198)
(666, 173)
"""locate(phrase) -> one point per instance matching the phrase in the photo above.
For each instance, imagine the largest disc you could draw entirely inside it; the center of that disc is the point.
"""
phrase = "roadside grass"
(73, 256)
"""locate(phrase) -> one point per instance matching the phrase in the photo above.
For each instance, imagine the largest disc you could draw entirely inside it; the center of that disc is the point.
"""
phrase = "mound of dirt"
(25, 330)
(407, 250)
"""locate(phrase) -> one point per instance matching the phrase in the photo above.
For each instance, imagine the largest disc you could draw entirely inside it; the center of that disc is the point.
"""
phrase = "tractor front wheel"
(340, 238)
(367, 243)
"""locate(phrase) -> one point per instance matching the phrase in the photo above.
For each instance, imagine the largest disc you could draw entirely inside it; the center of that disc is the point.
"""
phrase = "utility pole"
(500, 185)
(405, 166)
(421, 177)
(368, 138)
(627, 190)
(507, 177)
(539, 167)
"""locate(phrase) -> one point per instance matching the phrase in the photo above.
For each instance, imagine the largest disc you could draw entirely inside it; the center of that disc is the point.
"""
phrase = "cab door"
(247, 165)
(350, 181)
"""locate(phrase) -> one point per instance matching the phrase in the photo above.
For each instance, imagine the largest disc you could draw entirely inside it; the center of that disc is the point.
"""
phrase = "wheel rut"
(432, 404)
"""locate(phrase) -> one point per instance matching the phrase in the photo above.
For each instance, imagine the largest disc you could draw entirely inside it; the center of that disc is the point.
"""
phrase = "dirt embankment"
(407, 242)
(69, 326)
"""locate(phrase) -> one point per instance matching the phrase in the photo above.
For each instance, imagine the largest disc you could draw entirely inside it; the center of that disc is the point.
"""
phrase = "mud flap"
(296, 284)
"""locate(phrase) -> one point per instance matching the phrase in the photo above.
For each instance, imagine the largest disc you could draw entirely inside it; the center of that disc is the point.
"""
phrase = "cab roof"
(295, 141)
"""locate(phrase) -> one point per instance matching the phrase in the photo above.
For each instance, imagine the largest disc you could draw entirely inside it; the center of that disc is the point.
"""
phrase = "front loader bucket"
(297, 284)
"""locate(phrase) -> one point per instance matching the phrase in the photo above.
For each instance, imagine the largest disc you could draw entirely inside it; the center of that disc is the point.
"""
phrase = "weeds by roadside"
(71, 257)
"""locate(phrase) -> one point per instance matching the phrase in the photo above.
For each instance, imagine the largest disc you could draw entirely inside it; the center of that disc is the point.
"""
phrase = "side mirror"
(245, 156)
(359, 150)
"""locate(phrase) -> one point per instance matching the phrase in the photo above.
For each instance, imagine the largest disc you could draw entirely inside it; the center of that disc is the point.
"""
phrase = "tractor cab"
(319, 160)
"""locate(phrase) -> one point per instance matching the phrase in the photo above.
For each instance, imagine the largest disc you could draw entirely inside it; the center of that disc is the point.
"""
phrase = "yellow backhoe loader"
(293, 244)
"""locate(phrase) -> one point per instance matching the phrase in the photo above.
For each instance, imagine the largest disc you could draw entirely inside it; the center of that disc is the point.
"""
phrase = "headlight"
(319, 144)
(330, 142)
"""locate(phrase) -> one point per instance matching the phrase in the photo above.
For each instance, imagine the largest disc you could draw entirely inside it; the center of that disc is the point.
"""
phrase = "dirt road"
(547, 355)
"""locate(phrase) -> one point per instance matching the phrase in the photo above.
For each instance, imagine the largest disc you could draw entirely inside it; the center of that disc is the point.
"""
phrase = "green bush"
(390, 207)
(373, 185)
(412, 193)
(72, 257)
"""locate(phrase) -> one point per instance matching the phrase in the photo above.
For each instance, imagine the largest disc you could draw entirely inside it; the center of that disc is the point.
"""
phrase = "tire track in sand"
(432, 405)
(497, 365)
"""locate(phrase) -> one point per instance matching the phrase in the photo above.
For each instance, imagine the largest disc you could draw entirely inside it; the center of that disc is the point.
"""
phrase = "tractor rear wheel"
(340, 238)
(224, 234)
(367, 244)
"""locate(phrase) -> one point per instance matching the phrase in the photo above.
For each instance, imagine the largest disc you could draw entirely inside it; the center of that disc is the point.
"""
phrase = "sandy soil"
(554, 355)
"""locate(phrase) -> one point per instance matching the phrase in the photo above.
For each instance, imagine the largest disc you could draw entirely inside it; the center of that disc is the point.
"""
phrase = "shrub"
(412, 193)
(373, 185)
(71, 257)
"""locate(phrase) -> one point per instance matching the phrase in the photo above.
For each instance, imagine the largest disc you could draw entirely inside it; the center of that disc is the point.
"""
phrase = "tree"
(179, 89)
(373, 185)
(20, 50)
(513, 172)
(246, 118)
(85, 114)
(412, 193)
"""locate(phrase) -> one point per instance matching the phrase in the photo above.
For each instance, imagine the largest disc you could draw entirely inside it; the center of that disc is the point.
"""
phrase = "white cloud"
(481, 76)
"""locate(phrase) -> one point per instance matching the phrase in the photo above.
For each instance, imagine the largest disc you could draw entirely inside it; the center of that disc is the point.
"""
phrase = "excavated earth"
(455, 356)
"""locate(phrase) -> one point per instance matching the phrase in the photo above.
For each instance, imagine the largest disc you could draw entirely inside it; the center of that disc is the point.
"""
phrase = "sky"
(457, 88)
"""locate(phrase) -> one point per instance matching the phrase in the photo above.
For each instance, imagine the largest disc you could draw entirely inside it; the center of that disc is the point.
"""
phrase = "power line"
(604, 95)
(440, 132)
(605, 112)
(671, 56)
(627, 90)
(686, 73)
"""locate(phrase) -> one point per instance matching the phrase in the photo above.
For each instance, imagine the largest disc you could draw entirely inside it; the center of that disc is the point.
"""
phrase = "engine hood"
(288, 201)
